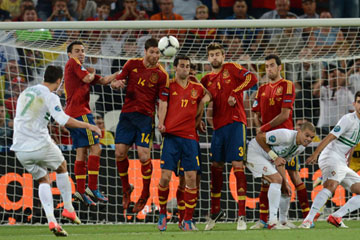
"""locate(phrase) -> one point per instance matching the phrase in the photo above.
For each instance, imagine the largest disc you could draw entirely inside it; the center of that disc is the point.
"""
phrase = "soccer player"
(35, 149)
(180, 144)
(226, 84)
(147, 81)
(273, 106)
(267, 156)
(78, 81)
(333, 151)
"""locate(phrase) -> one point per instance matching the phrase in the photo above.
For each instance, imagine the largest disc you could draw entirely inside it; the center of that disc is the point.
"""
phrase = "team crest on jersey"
(272, 138)
(194, 93)
(279, 91)
(150, 85)
(226, 73)
(227, 81)
(209, 83)
(154, 77)
(263, 94)
(57, 108)
(337, 128)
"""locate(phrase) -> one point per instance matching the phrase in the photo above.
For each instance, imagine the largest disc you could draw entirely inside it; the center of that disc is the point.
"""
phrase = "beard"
(216, 64)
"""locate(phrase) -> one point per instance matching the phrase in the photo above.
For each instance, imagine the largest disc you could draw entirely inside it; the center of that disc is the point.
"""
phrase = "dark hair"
(53, 73)
(273, 56)
(215, 46)
(181, 57)
(29, 8)
(71, 45)
(193, 66)
(357, 94)
(151, 42)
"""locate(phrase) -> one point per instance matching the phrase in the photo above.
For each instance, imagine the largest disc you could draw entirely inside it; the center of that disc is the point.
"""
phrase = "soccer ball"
(168, 46)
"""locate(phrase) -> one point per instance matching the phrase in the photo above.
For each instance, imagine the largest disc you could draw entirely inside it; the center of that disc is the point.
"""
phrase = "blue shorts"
(294, 164)
(180, 170)
(135, 128)
(229, 143)
(82, 137)
(179, 153)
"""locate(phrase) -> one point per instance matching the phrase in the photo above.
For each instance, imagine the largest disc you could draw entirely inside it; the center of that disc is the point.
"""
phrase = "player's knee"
(120, 155)
(275, 178)
(295, 177)
(62, 168)
(355, 188)
(44, 179)
(95, 149)
(331, 185)
(218, 164)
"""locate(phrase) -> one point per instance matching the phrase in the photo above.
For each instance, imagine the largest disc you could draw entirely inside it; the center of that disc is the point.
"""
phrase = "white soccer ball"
(168, 46)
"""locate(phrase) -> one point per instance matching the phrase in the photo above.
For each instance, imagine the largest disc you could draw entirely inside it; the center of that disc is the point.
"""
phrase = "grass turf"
(222, 231)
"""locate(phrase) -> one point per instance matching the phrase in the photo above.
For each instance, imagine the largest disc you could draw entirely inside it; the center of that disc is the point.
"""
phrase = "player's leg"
(235, 148)
(263, 204)
(293, 168)
(93, 173)
(144, 135)
(351, 183)
(319, 201)
(190, 162)
(180, 198)
(163, 194)
(124, 138)
(217, 166)
(169, 162)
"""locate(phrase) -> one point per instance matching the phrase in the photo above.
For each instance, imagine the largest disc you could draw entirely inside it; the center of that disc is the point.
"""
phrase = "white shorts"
(257, 163)
(37, 162)
(337, 171)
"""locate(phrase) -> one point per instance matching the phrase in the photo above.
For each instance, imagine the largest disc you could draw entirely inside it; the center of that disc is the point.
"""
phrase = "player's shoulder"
(232, 65)
(286, 82)
(74, 61)
(195, 83)
(162, 70)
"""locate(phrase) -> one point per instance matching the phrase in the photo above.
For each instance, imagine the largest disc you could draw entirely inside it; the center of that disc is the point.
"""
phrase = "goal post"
(315, 53)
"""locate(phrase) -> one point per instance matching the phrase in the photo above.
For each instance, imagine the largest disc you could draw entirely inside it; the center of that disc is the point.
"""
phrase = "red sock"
(264, 202)
(216, 186)
(80, 175)
(241, 190)
(123, 167)
(163, 194)
(146, 170)
(190, 202)
(303, 199)
(180, 202)
(93, 171)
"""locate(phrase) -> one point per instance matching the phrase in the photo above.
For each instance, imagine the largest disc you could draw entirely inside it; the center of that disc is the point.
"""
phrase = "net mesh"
(322, 62)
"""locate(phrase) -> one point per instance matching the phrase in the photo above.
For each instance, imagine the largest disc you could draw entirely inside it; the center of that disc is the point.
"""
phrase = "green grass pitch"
(222, 231)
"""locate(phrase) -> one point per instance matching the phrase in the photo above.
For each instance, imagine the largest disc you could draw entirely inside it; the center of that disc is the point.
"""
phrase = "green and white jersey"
(283, 143)
(34, 107)
(347, 131)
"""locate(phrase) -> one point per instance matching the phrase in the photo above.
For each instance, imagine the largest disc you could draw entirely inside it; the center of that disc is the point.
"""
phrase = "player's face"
(357, 105)
(78, 51)
(216, 58)
(152, 55)
(306, 137)
(272, 69)
(182, 69)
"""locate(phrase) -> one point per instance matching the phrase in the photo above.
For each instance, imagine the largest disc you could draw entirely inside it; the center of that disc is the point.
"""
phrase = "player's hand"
(279, 161)
(90, 69)
(232, 101)
(161, 128)
(118, 84)
(95, 128)
(202, 127)
(286, 189)
(312, 159)
(258, 130)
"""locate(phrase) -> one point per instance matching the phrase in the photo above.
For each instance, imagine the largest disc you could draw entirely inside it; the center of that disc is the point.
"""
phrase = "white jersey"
(33, 110)
(282, 142)
(347, 132)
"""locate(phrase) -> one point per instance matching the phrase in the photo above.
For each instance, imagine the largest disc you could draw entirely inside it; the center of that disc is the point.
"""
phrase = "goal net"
(321, 57)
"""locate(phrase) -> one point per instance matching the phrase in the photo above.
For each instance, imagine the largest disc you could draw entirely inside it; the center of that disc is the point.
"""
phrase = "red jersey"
(270, 98)
(232, 80)
(182, 108)
(77, 92)
(144, 86)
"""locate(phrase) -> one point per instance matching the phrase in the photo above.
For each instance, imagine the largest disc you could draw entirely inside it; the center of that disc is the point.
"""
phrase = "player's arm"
(73, 123)
(122, 76)
(209, 114)
(257, 119)
(286, 189)
(314, 156)
(200, 108)
(261, 139)
(246, 80)
(90, 76)
(107, 79)
(162, 114)
(276, 121)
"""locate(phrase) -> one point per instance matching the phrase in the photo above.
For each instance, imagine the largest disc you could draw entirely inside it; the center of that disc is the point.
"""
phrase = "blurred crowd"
(324, 88)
